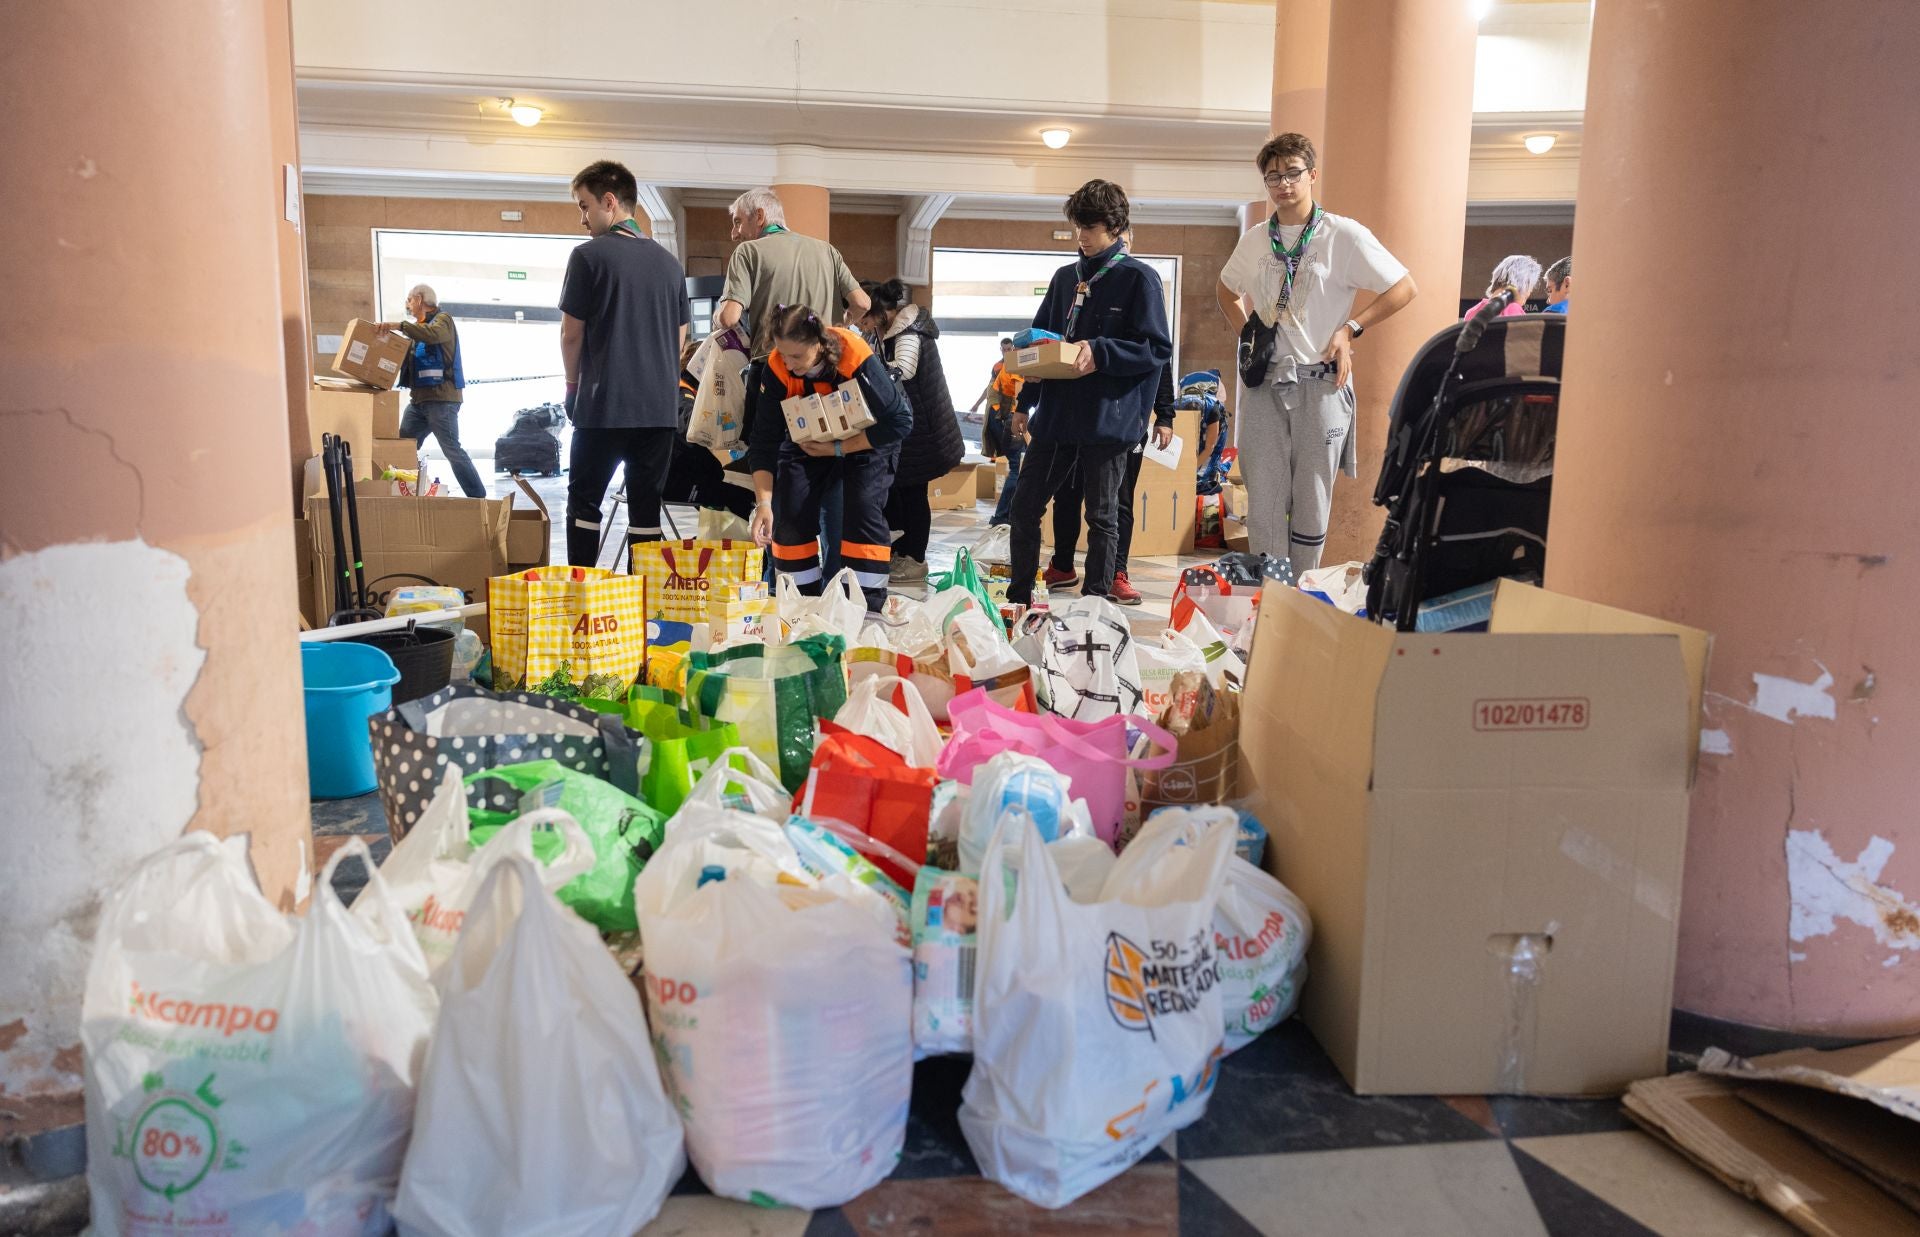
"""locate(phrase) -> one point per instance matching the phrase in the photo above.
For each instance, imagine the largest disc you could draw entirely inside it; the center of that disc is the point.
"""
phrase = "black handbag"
(1257, 341)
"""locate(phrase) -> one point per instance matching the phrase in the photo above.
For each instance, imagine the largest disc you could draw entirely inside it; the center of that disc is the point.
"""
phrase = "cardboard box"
(954, 492)
(1163, 513)
(303, 576)
(395, 453)
(348, 412)
(1777, 1164)
(529, 531)
(455, 541)
(1445, 804)
(831, 417)
(371, 356)
(1052, 358)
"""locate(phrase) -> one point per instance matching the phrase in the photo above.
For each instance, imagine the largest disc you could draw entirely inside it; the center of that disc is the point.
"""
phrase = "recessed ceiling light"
(1480, 9)
(525, 114)
(1540, 143)
(1056, 138)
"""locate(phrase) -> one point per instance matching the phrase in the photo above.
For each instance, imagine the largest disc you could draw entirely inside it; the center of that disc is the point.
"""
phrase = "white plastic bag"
(1158, 664)
(1343, 584)
(1013, 779)
(755, 788)
(995, 545)
(541, 1107)
(784, 1018)
(907, 729)
(839, 610)
(248, 1072)
(435, 871)
(1097, 1028)
(701, 837)
(718, 524)
(1261, 929)
(1222, 661)
(1088, 668)
(719, 367)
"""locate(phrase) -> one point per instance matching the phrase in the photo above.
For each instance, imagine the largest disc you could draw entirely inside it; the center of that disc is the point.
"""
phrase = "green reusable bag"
(681, 744)
(625, 832)
(773, 693)
(966, 574)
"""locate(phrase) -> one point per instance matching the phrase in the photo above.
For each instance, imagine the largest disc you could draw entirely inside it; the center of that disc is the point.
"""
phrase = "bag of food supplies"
(541, 1106)
(782, 1010)
(1097, 1027)
(248, 1071)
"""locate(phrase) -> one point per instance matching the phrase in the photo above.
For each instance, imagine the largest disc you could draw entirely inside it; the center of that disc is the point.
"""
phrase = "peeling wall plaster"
(100, 765)
(1784, 699)
(1826, 890)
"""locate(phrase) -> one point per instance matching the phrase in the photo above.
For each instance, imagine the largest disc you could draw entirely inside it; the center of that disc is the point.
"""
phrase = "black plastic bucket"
(422, 655)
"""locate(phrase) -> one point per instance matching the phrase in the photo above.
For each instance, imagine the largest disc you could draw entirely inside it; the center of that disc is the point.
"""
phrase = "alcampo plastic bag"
(434, 872)
(783, 1016)
(541, 1107)
(1262, 929)
(1097, 1027)
(248, 1072)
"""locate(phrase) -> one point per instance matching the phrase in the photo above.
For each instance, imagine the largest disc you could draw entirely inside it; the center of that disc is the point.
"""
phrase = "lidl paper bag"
(683, 575)
(1207, 756)
(570, 632)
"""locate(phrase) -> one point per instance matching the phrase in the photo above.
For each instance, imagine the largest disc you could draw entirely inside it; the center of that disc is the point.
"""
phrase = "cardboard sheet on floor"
(1704, 1118)
(1488, 830)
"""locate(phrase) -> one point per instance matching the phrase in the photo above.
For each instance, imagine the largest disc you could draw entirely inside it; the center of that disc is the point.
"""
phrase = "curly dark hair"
(889, 296)
(1100, 202)
(798, 323)
(606, 176)
(1284, 147)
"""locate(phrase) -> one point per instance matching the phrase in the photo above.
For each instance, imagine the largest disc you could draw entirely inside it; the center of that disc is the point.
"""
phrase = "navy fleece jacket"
(1124, 321)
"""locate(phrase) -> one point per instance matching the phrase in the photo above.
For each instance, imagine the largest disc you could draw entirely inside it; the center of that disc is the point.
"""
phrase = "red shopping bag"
(864, 783)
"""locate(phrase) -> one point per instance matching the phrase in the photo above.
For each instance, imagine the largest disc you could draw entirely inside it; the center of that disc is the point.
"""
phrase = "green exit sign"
(1039, 291)
(516, 274)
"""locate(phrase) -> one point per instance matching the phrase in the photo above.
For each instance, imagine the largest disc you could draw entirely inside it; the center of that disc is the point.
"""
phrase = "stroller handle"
(1477, 324)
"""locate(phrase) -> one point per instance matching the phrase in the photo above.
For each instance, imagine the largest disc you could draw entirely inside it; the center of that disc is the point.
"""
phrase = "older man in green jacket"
(433, 373)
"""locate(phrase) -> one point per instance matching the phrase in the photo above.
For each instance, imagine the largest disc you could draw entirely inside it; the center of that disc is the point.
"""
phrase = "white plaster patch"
(1794, 955)
(1824, 890)
(1784, 699)
(1891, 960)
(1716, 743)
(100, 765)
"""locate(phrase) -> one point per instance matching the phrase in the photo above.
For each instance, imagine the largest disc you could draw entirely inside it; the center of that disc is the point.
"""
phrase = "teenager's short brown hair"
(606, 176)
(1100, 202)
(1285, 147)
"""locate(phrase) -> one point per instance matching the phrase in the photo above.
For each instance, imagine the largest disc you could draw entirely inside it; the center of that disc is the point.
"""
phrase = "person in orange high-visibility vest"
(810, 357)
(996, 436)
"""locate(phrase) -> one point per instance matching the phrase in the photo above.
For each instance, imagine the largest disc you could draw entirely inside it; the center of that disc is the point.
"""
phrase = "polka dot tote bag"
(473, 729)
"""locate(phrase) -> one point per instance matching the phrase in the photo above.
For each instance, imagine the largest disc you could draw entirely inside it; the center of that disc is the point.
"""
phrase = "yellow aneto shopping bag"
(570, 632)
(683, 575)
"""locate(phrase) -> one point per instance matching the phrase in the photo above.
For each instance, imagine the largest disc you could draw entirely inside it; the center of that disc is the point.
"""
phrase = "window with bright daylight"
(503, 290)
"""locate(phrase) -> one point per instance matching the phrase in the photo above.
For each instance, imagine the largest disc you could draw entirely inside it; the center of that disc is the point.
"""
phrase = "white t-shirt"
(1342, 258)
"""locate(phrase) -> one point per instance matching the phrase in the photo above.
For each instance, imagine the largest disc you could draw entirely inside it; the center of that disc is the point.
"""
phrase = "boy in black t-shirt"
(623, 321)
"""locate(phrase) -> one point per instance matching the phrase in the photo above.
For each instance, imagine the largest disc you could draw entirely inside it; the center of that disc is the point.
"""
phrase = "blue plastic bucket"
(345, 684)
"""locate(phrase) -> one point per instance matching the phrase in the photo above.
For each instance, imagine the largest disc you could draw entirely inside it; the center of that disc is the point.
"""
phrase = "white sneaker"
(908, 571)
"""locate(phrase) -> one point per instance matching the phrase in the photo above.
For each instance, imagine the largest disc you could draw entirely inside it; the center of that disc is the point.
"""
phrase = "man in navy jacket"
(1086, 426)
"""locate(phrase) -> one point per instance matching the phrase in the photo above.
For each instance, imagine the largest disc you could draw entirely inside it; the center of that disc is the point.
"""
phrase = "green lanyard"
(1085, 286)
(774, 228)
(1290, 257)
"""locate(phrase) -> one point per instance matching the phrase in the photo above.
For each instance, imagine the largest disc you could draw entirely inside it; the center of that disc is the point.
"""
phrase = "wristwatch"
(1354, 328)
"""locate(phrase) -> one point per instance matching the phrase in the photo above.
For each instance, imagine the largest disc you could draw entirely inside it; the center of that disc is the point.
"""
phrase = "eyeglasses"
(1289, 177)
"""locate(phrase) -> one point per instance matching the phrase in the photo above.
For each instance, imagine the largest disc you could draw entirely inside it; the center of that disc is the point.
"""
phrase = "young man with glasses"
(1301, 273)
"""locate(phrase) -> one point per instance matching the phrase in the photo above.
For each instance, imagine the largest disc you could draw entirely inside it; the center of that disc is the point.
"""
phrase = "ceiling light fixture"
(1540, 143)
(1056, 138)
(525, 114)
(1481, 9)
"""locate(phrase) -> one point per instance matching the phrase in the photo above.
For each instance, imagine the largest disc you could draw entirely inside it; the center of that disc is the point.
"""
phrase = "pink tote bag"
(1093, 755)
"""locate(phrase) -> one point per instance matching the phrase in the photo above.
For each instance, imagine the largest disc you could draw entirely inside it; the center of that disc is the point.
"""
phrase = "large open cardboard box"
(456, 541)
(1441, 802)
(1162, 501)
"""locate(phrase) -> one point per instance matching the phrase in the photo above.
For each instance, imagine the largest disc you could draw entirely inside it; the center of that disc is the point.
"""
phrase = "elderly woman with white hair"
(1517, 273)
(435, 376)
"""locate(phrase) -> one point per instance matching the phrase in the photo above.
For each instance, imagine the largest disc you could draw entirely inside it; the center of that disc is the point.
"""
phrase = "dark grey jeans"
(1048, 469)
(441, 418)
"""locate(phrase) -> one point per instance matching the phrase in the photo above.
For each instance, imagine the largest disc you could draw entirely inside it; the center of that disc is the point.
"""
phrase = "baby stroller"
(1468, 471)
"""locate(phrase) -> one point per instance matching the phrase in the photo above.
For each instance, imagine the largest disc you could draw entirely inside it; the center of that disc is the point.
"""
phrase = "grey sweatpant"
(1291, 436)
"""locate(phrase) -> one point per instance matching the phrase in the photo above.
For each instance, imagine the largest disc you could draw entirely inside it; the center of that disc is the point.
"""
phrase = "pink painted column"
(152, 677)
(1739, 449)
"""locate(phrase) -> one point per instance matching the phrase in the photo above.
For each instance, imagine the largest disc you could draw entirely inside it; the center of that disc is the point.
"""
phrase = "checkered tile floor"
(1285, 1146)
